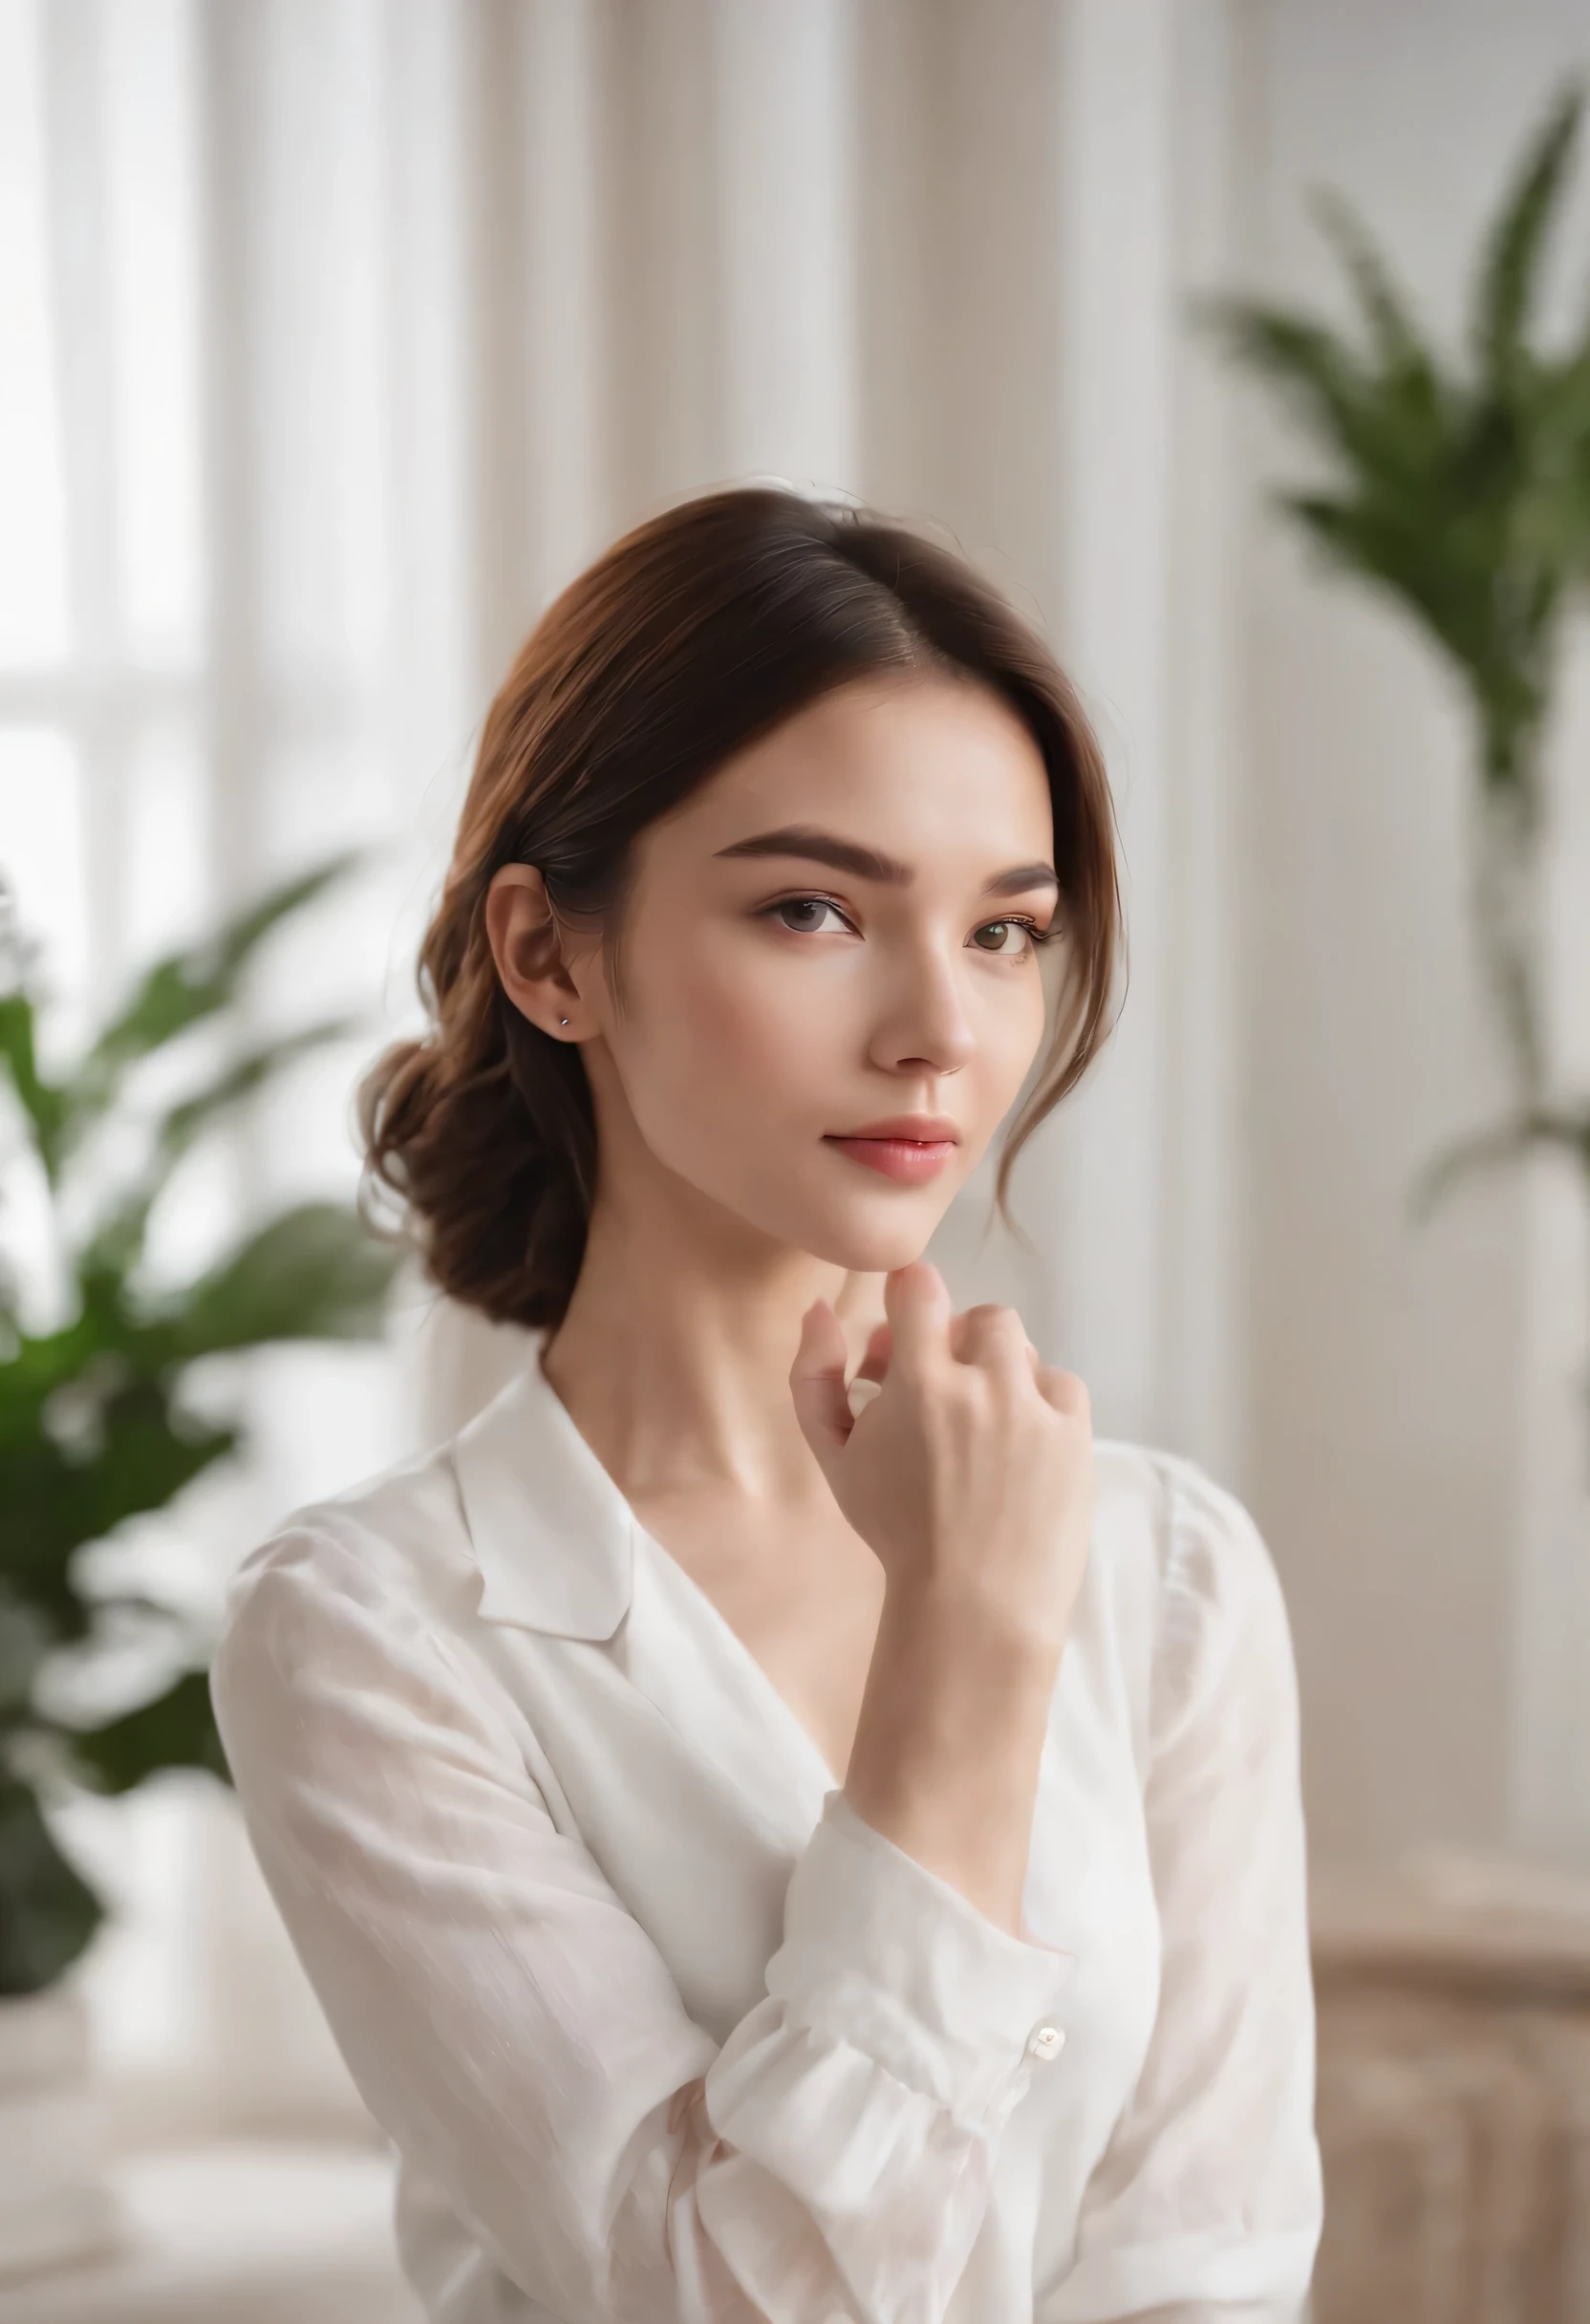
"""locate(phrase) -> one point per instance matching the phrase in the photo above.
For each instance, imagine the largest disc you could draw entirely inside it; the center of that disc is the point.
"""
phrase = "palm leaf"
(315, 1273)
(42, 1104)
(1392, 332)
(91, 1429)
(1388, 427)
(176, 1730)
(116, 1245)
(1561, 510)
(26, 1639)
(47, 1913)
(181, 991)
(57, 1498)
(1311, 365)
(1505, 286)
(1454, 1163)
(1536, 1125)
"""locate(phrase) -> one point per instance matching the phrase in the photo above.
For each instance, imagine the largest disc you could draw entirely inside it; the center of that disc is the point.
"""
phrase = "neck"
(674, 1356)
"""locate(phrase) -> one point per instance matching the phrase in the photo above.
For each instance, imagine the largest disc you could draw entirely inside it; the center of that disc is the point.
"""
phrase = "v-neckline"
(691, 1594)
(752, 1671)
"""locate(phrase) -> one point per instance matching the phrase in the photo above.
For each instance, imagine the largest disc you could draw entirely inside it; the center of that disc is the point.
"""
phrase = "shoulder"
(1189, 1582)
(344, 1646)
(391, 1549)
(1164, 1514)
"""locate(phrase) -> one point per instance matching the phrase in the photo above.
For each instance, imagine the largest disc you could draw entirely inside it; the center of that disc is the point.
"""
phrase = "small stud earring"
(563, 1021)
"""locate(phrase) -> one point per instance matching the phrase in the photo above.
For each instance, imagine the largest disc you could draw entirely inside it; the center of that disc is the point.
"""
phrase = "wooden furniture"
(1454, 2095)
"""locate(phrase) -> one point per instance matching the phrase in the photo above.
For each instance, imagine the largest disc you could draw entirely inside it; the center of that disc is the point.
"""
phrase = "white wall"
(1405, 1406)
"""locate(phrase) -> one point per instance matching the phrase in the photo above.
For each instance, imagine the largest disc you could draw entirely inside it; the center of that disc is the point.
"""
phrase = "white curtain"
(336, 334)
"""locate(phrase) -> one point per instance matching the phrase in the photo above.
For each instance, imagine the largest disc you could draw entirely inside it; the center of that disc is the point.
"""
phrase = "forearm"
(947, 1746)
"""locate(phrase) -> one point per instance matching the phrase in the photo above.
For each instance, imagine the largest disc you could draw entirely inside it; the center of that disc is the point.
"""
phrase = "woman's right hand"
(970, 1473)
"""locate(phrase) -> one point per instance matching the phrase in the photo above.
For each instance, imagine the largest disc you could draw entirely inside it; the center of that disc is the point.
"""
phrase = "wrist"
(965, 1629)
(947, 1744)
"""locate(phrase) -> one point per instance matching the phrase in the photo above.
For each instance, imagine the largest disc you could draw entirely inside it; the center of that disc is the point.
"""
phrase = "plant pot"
(56, 2205)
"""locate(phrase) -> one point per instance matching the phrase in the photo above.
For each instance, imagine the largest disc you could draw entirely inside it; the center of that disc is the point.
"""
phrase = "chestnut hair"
(687, 640)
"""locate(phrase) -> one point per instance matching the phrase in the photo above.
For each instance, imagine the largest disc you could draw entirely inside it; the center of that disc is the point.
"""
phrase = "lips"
(909, 1148)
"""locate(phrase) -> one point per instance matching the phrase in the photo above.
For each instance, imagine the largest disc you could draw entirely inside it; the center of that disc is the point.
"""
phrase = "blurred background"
(334, 337)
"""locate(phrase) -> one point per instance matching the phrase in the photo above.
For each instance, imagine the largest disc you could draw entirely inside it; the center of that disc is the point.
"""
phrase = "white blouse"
(664, 2032)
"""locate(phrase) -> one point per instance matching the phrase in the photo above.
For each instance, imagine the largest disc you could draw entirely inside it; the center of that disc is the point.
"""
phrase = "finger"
(969, 1331)
(994, 1336)
(817, 1381)
(867, 1379)
(1064, 1390)
(917, 1302)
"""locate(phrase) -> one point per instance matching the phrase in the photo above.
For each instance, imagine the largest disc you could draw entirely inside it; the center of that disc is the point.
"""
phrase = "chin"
(870, 1245)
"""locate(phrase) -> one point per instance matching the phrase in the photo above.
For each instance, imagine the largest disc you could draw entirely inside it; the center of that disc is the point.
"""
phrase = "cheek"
(722, 1034)
(742, 1000)
(1016, 1034)
(770, 1017)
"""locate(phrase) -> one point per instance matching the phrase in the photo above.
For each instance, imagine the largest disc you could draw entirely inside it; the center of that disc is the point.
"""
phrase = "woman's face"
(831, 941)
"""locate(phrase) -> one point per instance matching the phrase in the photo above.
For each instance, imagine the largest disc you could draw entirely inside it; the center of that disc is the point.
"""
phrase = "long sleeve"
(1207, 2205)
(517, 2035)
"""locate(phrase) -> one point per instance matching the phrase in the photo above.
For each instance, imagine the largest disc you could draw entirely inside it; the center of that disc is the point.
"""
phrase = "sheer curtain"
(334, 335)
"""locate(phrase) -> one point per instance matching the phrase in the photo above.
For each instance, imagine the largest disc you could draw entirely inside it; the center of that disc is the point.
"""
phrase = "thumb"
(817, 1381)
(917, 1302)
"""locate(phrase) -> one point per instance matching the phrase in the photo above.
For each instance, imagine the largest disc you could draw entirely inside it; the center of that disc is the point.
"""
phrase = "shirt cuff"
(886, 1955)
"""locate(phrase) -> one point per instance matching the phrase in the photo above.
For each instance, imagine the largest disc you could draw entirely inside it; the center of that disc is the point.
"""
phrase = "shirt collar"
(552, 1535)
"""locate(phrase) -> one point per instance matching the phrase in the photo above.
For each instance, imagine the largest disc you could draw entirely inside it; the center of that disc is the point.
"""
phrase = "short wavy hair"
(687, 640)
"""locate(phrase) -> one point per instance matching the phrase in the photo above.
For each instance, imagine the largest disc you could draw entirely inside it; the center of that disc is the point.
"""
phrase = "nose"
(923, 1021)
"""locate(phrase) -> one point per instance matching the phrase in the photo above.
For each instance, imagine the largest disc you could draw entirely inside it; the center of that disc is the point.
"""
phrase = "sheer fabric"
(663, 2031)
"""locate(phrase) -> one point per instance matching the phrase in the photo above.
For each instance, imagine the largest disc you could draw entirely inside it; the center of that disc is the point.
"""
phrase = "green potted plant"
(1460, 490)
(95, 1430)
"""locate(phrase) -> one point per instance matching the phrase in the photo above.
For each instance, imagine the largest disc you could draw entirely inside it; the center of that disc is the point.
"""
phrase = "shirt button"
(1047, 2042)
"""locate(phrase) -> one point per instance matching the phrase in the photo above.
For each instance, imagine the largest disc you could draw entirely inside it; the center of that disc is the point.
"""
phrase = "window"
(218, 549)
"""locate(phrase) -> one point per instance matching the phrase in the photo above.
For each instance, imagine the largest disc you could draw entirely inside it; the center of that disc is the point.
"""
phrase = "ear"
(525, 945)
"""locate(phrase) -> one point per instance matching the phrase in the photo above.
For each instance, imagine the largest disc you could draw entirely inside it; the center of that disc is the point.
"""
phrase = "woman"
(781, 1824)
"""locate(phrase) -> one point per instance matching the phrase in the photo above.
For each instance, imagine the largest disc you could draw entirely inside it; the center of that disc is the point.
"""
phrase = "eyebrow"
(817, 846)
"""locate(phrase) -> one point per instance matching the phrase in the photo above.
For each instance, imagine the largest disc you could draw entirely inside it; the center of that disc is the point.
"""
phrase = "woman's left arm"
(1205, 2207)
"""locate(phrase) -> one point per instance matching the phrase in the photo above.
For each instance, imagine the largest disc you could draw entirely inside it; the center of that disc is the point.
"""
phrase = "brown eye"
(1002, 931)
(811, 908)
